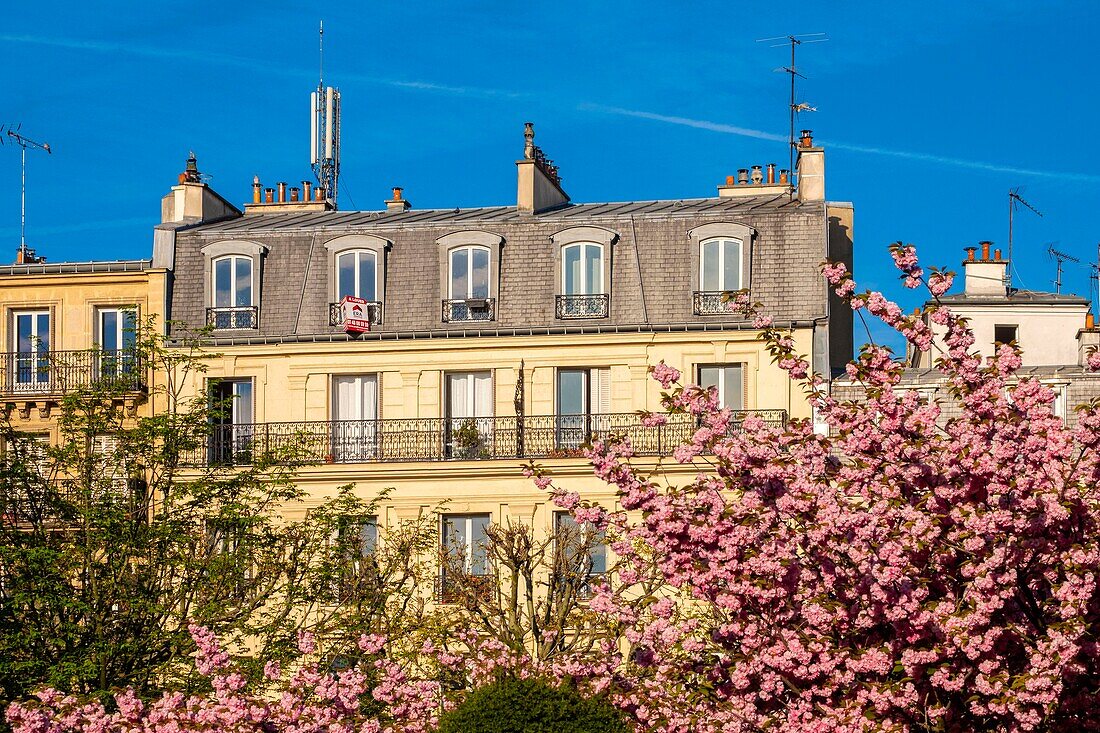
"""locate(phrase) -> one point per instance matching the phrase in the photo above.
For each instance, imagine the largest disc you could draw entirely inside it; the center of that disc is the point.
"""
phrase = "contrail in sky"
(869, 149)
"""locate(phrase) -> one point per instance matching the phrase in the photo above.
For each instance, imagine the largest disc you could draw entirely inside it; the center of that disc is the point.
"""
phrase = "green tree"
(512, 705)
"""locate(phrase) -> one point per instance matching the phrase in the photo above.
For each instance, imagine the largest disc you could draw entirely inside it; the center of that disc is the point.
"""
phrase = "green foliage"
(513, 705)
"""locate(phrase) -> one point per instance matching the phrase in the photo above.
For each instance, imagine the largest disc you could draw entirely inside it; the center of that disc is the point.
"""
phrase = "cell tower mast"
(324, 129)
(24, 142)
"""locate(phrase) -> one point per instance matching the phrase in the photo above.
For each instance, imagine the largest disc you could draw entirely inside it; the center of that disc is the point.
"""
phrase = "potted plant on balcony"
(469, 443)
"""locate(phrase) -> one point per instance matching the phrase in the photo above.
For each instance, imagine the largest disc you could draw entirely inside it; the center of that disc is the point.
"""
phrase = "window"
(354, 415)
(1004, 334)
(581, 551)
(233, 303)
(355, 539)
(232, 429)
(469, 264)
(117, 335)
(32, 347)
(729, 380)
(356, 275)
(469, 405)
(464, 540)
(720, 265)
(469, 273)
(582, 269)
(584, 396)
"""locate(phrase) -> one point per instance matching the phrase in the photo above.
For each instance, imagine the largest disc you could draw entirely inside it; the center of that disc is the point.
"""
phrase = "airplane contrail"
(855, 148)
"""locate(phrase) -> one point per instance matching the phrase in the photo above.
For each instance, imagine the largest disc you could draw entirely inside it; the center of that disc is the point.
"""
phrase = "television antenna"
(324, 128)
(23, 142)
(1061, 258)
(1014, 200)
(794, 41)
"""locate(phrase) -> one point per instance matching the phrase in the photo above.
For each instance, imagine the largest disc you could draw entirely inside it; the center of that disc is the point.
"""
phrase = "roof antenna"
(24, 142)
(1061, 258)
(795, 107)
(324, 129)
(1014, 198)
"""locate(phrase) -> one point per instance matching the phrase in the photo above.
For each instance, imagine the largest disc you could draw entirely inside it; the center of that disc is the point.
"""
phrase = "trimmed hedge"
(513, 705)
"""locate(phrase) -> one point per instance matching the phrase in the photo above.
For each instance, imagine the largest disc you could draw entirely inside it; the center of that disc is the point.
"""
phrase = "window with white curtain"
(464, 539)
(729, 380)
(582, 269)
(720, 265)
(354, 416)
(469, 401)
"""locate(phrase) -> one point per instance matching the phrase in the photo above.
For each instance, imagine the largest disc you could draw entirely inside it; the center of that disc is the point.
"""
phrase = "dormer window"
(469, 264)
(584, 272)
(358, 267)
(722, 258)
(233, 284)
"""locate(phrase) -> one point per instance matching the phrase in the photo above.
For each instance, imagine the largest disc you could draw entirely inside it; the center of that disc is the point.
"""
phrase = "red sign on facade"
(355, 316)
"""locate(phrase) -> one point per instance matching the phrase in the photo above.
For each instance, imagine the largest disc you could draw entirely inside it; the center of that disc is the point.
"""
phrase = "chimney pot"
(293, 193)
(970, 253)
(985, 250)
(784, 175)
(319, 193)
(757, 175)
(742, 176)
(771, 173)
(1090, 321)
(729, 180)
(996, 255)
(807, 138)
(282, 191)
(269, 195)
(257, 190)
(307, 190)
(397, 193)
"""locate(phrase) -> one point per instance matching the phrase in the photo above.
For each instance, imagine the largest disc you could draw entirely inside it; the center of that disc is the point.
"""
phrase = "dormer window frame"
(709, 302)
(459, 308)
(345, 244)
(596, 304)
(233, 317)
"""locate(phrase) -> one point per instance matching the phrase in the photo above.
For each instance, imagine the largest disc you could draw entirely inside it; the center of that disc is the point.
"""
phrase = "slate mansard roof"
(651, 264)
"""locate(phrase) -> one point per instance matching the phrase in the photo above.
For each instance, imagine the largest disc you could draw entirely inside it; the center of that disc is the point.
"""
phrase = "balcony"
(581, 306)
(443, 439)
(710, 303)
(241, 317)
(56, 372)
(373, 308)
(469, 310)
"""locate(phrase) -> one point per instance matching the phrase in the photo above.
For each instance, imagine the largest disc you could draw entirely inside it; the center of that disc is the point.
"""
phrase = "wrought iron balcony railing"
(470, 309)
(239, 317)
(441, 439)
(710, 303)
(373, 308)
(581, 306)
(56, 372)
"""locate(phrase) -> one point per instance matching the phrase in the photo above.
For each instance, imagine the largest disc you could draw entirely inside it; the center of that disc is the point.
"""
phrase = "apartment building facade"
(433, 352)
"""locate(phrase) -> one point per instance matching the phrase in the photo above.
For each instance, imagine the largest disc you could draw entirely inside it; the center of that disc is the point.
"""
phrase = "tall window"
(582, 269)
(32, 346)
(464, 539)
(720, 265)
(232, 408)
(117, 338)
(233, 288)
(584, 395)
(356, 275)
(581, 551)
(354, 412)
(729, 380)
(469, 273)
(469, 402)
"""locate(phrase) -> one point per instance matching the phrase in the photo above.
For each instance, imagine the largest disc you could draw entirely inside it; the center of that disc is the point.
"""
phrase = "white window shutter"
(600, 391)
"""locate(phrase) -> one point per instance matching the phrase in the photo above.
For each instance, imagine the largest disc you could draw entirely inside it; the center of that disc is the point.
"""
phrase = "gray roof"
(1015, 297)
(75, 268)
(357, 220)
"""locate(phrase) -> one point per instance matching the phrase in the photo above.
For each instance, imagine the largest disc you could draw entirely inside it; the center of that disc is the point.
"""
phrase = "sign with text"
(355, 315)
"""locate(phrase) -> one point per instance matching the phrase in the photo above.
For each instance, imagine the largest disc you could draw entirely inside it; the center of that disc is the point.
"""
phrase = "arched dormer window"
(583, 268)
(233, 284)
(469, 272)
(722, 258)
(357, 265)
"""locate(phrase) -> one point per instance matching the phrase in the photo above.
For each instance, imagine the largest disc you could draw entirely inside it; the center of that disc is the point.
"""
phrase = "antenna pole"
(23, 201)
(790, 142)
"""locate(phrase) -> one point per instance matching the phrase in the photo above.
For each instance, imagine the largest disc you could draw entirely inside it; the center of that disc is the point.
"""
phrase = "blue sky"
(929, 111)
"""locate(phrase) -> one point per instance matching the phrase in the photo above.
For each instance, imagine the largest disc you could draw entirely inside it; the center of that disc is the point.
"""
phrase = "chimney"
(1088, 340)
(985, 275)
(307, 190)
(810, 167)
(397, 204)
(191, 201)
(257, 190)
(539, 185)
(282, 191)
